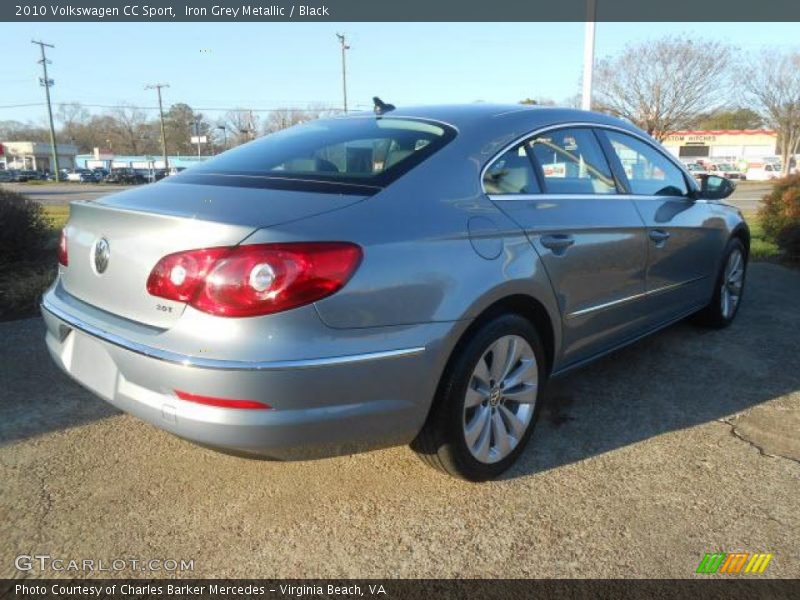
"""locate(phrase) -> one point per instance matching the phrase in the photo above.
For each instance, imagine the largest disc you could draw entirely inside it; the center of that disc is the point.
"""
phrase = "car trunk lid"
(141, 226)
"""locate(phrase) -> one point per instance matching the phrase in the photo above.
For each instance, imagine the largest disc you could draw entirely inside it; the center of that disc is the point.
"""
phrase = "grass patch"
(58, 215)
(760, 247)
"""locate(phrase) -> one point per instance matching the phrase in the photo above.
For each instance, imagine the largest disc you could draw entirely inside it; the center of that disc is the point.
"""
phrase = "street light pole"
(224, 136)
(157, 87)
(345, 47)
(47, 82)
(588, 54)
(197, 132)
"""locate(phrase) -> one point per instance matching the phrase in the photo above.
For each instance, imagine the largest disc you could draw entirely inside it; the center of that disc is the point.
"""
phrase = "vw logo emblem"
(102, 252)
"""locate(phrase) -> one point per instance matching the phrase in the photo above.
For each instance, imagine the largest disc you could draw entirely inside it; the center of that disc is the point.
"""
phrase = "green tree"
(731, 118)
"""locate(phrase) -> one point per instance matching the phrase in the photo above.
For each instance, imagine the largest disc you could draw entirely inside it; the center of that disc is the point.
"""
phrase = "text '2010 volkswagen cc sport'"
(411, 276)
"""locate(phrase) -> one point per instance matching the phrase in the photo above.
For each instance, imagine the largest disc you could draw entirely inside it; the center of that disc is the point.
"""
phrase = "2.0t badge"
(102, 252)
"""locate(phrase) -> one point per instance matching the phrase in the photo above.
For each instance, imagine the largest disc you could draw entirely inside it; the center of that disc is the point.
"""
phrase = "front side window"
(512, 173)
(572, 162)
(649, 172)
(368, 152)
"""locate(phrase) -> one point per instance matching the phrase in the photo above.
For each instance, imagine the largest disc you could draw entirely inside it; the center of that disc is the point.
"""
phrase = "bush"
(779, 214)
(24, 228)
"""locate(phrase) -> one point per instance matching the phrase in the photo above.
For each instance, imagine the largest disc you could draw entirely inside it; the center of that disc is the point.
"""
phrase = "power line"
(207, 108)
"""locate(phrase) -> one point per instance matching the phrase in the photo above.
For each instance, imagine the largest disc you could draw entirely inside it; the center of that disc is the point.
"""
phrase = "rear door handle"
(557, 242)
(659, 236)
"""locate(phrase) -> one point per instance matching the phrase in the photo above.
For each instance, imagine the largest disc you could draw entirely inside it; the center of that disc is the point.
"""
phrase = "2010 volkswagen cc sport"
(411, 276)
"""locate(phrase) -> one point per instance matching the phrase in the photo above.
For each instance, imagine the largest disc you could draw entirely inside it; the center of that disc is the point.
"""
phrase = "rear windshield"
(356, 155)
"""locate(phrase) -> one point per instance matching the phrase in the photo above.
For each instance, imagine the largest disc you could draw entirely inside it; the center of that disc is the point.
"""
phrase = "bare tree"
(282, 118)
(663, 85)
(130, 128)
(287, 117)
(772, 82)
(240, 125)
(72, 116)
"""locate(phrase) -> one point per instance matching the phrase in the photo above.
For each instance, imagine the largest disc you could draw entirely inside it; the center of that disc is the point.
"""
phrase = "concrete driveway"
(683, 444)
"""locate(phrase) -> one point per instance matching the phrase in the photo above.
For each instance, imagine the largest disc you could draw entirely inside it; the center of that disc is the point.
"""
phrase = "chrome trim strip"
(590, 359)
(595, 308)
(559, 197)
(225, 365)
(655, 292)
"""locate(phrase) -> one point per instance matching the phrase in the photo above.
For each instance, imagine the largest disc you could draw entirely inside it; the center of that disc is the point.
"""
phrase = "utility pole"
(588, 54)
(47, 82)
(157, 87)
(197, 132)
(345, 48)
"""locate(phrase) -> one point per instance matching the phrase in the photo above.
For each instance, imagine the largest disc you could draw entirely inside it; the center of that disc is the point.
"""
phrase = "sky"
(270, 65)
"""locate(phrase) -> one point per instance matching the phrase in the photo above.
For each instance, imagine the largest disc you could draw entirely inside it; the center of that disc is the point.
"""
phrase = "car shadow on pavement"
(678, 378)
(35, 396)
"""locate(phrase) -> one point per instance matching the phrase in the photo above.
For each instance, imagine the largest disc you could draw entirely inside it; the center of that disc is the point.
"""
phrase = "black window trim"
(617, 164)
(692, 186)
(540, 171)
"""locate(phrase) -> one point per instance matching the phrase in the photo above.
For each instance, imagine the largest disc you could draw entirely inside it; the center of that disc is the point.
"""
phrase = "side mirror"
(714, 187)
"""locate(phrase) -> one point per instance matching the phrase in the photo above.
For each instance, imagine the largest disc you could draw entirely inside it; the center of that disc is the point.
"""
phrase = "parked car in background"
(176, 170)
(126, 176)
(414, 276)
(6, 176)
(100, 173)
(763, 172)
(727, 170)
(81, 176)
(31, 175)
(696, 169)
(17, 176)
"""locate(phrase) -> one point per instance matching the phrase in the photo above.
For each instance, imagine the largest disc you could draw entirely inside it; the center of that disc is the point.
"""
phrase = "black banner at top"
(712, 11)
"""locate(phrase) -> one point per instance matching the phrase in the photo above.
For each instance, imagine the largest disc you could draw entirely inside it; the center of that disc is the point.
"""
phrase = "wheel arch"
(742, 232)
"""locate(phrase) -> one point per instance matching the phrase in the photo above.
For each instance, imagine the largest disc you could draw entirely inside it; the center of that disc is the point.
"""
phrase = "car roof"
(467, 116)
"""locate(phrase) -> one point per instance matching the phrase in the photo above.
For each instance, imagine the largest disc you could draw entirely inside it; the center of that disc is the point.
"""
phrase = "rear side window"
(649, 172)
(572, 162)
(512, 173)
(324, 155)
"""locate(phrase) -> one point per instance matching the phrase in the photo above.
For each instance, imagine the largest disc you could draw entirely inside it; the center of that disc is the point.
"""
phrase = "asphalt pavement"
(683, 444)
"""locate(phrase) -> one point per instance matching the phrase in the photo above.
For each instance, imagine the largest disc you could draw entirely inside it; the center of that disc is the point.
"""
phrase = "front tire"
(728, 289)
(488, 401)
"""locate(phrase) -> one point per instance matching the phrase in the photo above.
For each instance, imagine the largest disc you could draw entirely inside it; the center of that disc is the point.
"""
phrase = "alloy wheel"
(732, 282)
(500, 399)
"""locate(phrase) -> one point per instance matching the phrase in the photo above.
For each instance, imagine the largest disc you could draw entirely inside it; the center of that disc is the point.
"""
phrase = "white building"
(35, 156)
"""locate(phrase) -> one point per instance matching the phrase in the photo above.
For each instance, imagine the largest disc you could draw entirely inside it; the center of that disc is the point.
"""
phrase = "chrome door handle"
(658, 235)
(557, 242)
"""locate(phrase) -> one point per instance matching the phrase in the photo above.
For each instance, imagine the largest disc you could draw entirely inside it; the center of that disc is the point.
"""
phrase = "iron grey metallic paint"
(360, 368)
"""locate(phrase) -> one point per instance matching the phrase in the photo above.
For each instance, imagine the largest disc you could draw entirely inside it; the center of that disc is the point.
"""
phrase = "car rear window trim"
(250, 180)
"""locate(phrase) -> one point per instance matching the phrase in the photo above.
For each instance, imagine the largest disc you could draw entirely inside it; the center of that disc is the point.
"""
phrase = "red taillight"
(222, 402)
(258, 279)
(63, 257)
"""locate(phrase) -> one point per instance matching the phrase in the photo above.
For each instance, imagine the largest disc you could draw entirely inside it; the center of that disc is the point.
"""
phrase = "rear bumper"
(321, 406)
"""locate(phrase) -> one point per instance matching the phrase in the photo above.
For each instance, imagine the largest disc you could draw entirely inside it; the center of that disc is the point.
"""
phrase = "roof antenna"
(380, 106)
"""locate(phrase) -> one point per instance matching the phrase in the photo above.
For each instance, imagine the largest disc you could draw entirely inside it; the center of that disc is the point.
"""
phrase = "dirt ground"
(682, 444)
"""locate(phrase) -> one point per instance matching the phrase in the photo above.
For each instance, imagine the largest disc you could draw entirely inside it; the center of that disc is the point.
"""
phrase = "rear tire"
(728, 289)
(488, 401)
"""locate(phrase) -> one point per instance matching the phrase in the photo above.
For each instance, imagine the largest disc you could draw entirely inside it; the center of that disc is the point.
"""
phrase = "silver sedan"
(410, 276)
